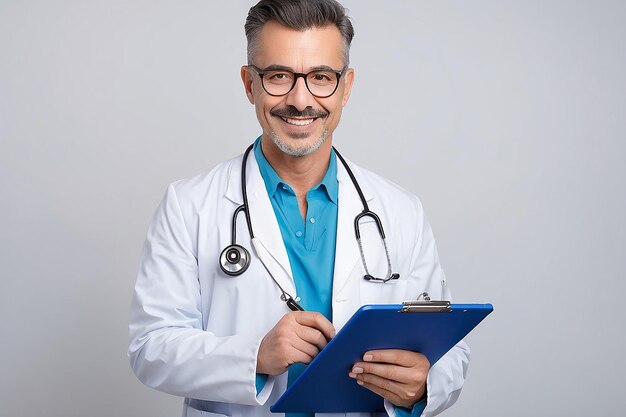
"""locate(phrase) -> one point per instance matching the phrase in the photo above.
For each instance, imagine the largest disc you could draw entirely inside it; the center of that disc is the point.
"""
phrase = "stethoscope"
(235, 259)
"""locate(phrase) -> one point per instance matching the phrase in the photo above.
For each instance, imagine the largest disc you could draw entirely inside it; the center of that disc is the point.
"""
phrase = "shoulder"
(379, 187)
(195, 193)
(400, 210)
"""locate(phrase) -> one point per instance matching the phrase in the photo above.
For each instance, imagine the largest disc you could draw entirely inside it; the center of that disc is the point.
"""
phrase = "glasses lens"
(322, 83)
(278, 82)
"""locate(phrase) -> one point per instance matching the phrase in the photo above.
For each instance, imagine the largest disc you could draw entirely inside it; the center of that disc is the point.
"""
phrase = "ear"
(347, 85)
(246, 77)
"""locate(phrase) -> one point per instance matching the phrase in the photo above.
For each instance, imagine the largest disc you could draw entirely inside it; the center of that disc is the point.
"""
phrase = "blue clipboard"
(325, 387)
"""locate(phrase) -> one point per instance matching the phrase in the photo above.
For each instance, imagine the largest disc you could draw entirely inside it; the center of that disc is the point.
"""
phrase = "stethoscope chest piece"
(234, 260)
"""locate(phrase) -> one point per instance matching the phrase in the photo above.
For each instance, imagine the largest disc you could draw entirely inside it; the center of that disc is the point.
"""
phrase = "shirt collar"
(272, 181)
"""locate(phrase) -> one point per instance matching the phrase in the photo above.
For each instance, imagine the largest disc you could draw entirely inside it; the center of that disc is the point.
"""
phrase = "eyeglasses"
(278, 81)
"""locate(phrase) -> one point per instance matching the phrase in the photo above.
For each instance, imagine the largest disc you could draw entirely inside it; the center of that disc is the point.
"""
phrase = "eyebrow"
(284, 68)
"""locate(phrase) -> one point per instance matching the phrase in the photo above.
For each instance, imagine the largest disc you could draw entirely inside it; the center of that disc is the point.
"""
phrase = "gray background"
(505, 117)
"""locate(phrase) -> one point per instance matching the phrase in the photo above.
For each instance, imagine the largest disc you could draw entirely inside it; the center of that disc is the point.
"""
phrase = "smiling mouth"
(298, 122)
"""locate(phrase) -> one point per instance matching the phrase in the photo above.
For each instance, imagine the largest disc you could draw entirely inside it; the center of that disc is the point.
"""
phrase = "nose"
(300, 97)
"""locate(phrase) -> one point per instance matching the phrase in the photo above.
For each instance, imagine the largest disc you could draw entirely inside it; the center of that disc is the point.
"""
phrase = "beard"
(300, 148)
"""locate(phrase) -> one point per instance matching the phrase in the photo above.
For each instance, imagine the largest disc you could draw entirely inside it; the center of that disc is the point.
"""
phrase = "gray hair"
(298, 15)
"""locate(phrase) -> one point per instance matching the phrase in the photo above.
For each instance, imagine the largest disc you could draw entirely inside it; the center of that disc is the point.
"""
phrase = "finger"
(389, 372)
(399, 357)
(317, 321)
(305, 347)
(300, 356)
(312, 336)
(388, 395)
(399, 394)
(383, 383)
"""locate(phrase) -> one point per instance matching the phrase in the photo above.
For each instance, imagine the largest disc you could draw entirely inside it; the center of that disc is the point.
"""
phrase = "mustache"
(291, 111)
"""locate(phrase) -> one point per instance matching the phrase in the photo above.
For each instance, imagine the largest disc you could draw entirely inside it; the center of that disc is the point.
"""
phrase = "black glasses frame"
(297, 75)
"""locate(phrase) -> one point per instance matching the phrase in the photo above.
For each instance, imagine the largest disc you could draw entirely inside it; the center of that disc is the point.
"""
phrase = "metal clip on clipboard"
(426, 307)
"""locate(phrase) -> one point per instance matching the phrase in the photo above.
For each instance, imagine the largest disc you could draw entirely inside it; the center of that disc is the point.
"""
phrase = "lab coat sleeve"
(169, 350)
(446, 377)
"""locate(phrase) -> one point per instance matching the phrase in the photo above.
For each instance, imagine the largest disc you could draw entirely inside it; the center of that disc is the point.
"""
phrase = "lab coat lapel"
(347, 256)
(265, 226)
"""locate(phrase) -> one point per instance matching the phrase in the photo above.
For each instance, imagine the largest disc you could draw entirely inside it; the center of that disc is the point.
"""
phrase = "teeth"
(298, 122)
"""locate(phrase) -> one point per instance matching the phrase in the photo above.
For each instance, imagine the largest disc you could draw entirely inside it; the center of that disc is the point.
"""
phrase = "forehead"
(280, 45)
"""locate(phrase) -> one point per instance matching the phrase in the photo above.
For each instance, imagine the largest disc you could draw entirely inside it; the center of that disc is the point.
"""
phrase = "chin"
(299, 144)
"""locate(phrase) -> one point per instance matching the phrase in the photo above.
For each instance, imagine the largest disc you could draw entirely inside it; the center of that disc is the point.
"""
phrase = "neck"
(301, 172)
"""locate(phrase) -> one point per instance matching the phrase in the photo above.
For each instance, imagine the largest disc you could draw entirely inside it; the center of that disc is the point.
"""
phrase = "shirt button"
(312, 219)
(299, 233)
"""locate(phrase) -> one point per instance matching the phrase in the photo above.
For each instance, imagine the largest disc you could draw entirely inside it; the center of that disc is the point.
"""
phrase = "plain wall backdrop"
(506, 118)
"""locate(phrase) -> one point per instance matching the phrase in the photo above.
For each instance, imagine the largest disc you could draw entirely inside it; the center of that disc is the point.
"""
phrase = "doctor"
(228, 342)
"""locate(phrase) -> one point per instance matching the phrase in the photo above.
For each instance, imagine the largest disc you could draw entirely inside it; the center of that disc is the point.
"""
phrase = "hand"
(297, 337)
(396, 375)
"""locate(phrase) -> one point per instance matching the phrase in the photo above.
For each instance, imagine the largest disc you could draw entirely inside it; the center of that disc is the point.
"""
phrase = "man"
(211, 327)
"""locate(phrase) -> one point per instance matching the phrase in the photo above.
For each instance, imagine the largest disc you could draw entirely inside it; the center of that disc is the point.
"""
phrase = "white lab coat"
(195, 332)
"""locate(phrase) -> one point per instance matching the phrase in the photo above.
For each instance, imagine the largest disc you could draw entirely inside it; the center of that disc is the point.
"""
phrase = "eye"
(279, 76)
(322, 78)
